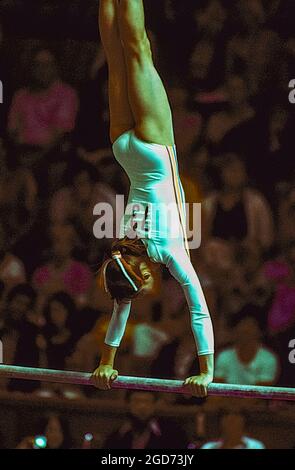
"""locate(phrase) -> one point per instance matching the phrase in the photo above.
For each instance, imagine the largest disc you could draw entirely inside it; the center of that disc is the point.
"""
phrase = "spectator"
(6, 79)
(76, 201)
(27, 327)
(142, 429)
(286, 216)
(200, 431)
(246, 289)
(205, 79)
(176, 358)
(239, 111)
(247, 361)
(280, 273)
(211, 18)
(18, 196)
(91, 132)
(12, 271)
(57, 339)
(19, 301)
(55, 429)
(233, 434)
(254, 50)
(63, 272)
(148, 338)
(41, 114)
(236, 129)
(236, 212)
(278, 158)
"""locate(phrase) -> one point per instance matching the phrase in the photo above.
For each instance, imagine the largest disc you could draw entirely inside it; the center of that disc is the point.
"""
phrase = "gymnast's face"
(142, 268)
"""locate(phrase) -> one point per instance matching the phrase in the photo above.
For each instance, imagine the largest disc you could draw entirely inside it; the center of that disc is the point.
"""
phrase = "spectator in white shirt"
(247, 361)
(233, 434)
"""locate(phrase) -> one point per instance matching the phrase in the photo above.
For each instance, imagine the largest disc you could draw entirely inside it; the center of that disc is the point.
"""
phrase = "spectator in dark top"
(142, 429)
(28, 328)
(57, 339)
(278, 157)
(237, 128)
(91, 130)
(19, 301)
(236, 211)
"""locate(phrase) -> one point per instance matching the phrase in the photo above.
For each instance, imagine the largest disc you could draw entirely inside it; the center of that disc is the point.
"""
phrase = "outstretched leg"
(121, 117)
(147, 95)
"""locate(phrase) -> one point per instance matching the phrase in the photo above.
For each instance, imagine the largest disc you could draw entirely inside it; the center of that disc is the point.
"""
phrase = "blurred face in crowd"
(19, 306)
(234, 174)
(247, 331)
(142, 405)
(54, 433)
(83, 186)
(237, 91)
(201, 59)
(232, 426)
(44, 70)
(58, 314)
(278, 120)
(201, 158)
(252, 12)
(212, 18)
(63, 242)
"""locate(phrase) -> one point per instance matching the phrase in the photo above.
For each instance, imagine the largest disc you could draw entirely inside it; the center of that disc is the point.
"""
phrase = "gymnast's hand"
(103, 376)
(198, 384)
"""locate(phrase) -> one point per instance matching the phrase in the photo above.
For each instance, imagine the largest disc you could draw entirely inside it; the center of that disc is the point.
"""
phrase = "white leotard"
(154, 185)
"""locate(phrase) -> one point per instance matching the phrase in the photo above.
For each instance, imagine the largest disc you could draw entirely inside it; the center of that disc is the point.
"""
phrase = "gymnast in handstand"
(141, 131)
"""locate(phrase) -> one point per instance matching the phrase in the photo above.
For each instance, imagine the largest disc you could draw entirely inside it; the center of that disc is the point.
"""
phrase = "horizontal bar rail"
(148, 384)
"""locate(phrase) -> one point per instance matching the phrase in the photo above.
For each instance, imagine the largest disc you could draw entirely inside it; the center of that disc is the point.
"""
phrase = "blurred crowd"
(227, 66)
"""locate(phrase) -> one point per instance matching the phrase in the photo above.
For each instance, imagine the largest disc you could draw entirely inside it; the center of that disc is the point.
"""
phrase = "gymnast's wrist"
(206, 363)
(108, 355)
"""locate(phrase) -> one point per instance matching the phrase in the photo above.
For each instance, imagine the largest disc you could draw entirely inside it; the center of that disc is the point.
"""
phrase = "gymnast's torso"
(156, 201)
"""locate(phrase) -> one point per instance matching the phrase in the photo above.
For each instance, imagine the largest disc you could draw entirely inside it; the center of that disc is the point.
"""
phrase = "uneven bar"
(151, 384)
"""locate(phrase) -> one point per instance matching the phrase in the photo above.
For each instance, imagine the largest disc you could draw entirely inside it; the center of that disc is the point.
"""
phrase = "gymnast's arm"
(105, 372)
(183, 271)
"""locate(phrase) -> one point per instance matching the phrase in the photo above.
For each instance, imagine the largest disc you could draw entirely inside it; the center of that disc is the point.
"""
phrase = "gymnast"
(141, 132)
